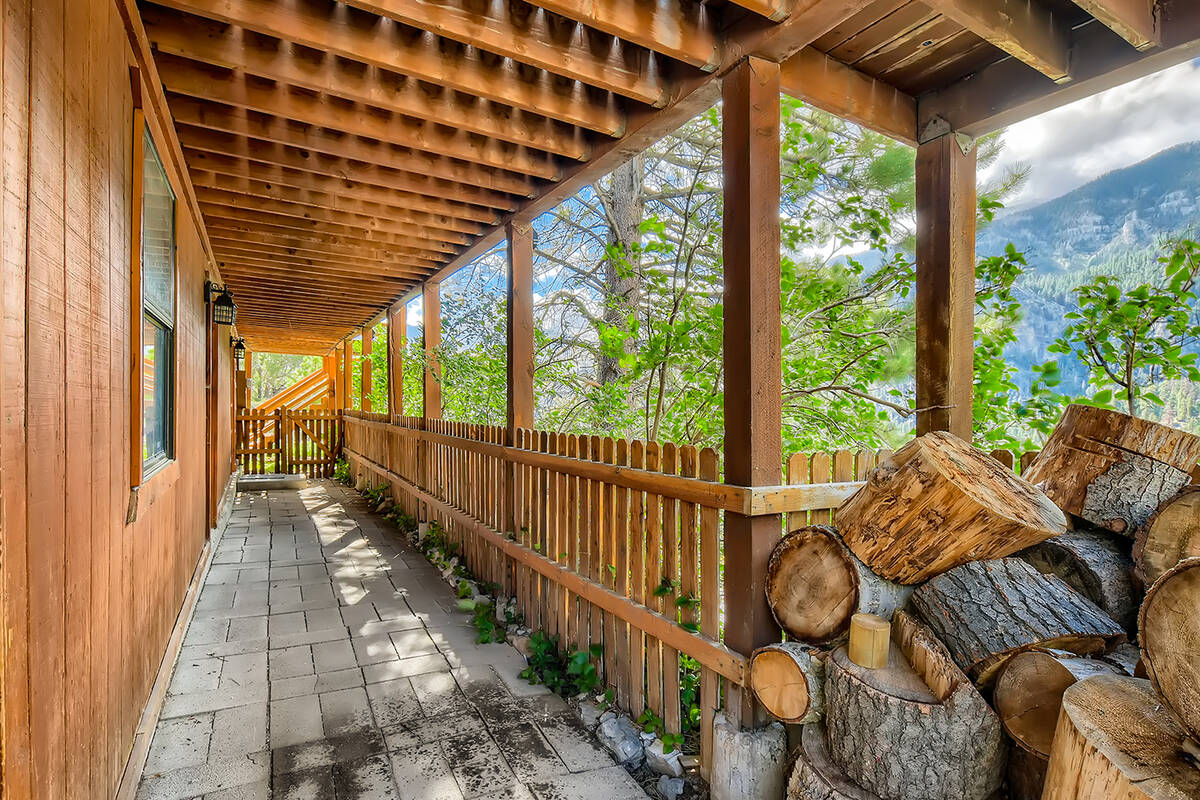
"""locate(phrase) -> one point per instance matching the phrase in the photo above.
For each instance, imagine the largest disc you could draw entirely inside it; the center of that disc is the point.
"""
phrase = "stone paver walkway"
(325, 659)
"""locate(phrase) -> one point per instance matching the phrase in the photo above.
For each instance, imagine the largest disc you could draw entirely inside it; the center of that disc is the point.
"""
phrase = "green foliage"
(341, 472)
(379, 370)
(484, 620)
(567, 674)
(271, 373)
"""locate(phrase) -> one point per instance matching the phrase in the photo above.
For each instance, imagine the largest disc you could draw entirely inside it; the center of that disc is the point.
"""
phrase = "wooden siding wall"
(89, 602)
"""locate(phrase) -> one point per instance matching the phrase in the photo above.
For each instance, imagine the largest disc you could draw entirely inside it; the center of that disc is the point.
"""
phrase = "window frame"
(142, 469)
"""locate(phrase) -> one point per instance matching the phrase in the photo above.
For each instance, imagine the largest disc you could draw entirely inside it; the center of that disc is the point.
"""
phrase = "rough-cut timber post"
(1111, 469)
(397, 329)
(249, 361)
(1028, 693)
(346, 366)
(815, 776)
(365, 386)
(752, 356)
(1116, 741)
(1096, 564)
(788, 678)
(1171, 535)
(815, 585)
(945, 295)
(431, 321)
(239, 389)
(988, 611)
(520, 355)
(1170, 640)
(938, 502)
(915, 728)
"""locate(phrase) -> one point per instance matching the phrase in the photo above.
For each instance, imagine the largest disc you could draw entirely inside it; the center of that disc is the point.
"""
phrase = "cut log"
(789, 680)
(1115, 741)
(1111, 469)
(870, 638)
(1026, 775)
(816, 777)
(938, 502)
(1095, 563)
(1171, 535)
(1029, 693)
(1170, 640)
(988, 611)
(1126, 659)
(917, 728)
(815, 585)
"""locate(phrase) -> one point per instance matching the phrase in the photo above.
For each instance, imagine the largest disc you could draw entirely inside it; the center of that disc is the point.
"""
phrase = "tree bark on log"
(915, 729)
(789, 680)
(1029, 692)
(1171, 535)
(815, 585)
(1170, 640)
(1111, 469)
(988, 611)
(1115, 741)
(1026, 775)
(937, 503)
(816, 777)
(1096, 564)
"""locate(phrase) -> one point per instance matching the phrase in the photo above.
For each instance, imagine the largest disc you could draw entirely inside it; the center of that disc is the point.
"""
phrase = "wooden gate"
(288, 441)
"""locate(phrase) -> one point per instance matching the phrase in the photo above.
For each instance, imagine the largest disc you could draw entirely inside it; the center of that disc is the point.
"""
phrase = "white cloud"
(1069, 146)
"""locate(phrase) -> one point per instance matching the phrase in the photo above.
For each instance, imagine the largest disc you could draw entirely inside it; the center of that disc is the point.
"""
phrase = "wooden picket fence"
(306, 442)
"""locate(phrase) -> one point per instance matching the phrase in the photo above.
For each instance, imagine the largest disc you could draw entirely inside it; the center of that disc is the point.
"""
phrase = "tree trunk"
(623, 205)
(1026, 775)
(1115, 741)
(1169, 536)
(789, 680)
(1170, 627)
(1029, 693)
(1096, 564)
(988, 611)
(1111, 469)
(816, 777)
(815, 585)
(937, 503)
(916, 728)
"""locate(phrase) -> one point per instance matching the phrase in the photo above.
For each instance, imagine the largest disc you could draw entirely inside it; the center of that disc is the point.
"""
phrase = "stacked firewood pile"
(962, 633)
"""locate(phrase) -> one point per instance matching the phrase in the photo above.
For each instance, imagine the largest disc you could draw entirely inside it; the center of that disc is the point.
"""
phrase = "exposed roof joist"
(1135, 21)
(1024, 29)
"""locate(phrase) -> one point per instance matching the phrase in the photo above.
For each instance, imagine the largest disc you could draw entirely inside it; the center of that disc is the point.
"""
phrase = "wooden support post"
(344, 373)
(397, 334)
(239, 390)
(364, 385)
(945, 296)
(753, 366)
(520, 354)
(432, 320)
(249, 388)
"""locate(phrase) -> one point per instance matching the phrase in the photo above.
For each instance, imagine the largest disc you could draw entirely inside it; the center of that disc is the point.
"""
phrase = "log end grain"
(1170, 640)
(1170, 536)
(789, 680)
(812, 585)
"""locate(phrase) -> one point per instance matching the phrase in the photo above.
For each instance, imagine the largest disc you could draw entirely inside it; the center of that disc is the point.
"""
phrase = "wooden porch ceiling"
(343, 152)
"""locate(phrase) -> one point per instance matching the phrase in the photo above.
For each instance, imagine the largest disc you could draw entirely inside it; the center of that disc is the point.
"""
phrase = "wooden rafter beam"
(383, 43)
(832, 86)
(361, 261)
(231, 220)
(1006, 92)
(1135, 21)
(272, 153)
(682, 29)
(458, 133)
(1024, 29)
(535, 39)
(249, 125)
(270, 194)
(280, 224)
(304, 179)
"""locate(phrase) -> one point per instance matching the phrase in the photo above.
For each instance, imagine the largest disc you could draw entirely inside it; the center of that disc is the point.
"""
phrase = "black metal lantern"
(224, 310)
(239, 352)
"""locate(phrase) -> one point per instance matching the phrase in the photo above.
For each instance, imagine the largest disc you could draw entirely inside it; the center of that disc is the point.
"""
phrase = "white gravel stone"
(623, 740)
(662, 762)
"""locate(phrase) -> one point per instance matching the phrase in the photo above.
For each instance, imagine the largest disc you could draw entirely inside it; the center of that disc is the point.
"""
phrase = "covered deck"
(328, 161)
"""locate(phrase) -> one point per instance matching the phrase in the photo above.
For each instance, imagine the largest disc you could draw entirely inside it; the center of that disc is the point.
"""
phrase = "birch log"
(1095, 563)
(815, 585)
(1170, 536)
(1113, 470)
(988, 611)
(938, 502)
(1115, 741)
(1170, 640)
(916, 728)
(789, 680)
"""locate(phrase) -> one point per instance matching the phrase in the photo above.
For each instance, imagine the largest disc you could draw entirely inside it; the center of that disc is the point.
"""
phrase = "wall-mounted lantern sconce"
(224, 310)
(239, 351)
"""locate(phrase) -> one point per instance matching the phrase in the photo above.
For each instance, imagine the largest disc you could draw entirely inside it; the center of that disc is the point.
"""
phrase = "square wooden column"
(520, 354)
(397, 333)
(344, 373)
(431, 299)
(248, 361)
(364, 385)
(945, 295)
(753, 365)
